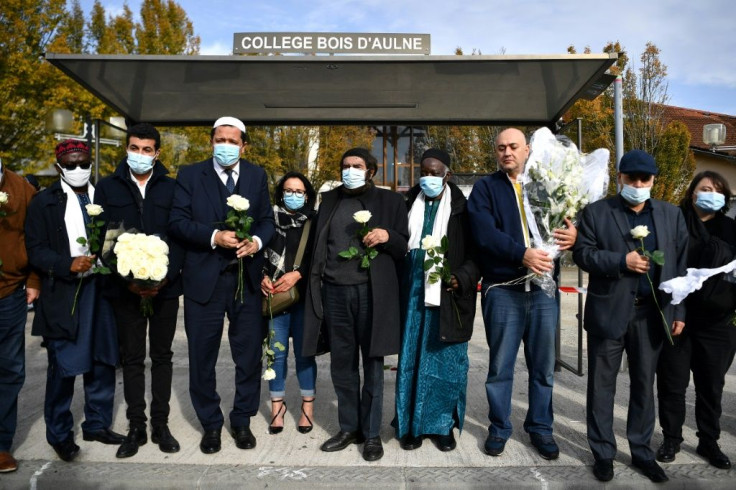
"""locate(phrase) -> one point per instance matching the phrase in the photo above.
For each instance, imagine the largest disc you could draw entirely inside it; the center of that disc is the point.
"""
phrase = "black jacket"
(712, 244)
(123, 204)
(389, 213)
(462, 265)
(47, 244)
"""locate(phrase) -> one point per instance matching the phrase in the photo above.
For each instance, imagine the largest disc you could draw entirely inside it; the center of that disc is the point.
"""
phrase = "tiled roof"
(695, 119)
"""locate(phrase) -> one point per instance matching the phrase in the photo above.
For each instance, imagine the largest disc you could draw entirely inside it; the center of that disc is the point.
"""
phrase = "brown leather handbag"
(281, 302)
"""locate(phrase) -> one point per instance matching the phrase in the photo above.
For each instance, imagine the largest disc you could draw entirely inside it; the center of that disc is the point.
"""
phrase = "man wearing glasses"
(75, 321)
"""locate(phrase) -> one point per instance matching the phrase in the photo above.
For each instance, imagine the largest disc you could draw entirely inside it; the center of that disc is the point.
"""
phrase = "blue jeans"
(291, 324)
(511, 316)
(13, 312)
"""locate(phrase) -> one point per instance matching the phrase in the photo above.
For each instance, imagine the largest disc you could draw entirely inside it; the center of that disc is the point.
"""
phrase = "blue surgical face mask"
(294, 201)
(635, 195)
(431, 185)
(710, 202)
(139, 163)
(226, 154)
(353, 178)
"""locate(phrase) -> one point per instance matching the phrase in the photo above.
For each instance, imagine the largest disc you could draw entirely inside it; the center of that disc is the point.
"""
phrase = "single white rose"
(639, 232)
(362, 217)
(428, 242)
(238, 203)
(158, 271)
(269, 374)
(141, 271)
(124, 265)
(3, 197)
(93, 209)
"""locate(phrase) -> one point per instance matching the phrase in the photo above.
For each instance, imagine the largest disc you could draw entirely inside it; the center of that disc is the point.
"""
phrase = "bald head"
(512, 151)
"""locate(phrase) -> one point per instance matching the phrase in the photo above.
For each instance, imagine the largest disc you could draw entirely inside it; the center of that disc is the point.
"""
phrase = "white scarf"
(74, 220)
(439, 229)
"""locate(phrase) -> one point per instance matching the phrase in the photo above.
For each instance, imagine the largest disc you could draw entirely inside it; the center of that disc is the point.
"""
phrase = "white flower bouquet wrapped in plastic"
(558, 182)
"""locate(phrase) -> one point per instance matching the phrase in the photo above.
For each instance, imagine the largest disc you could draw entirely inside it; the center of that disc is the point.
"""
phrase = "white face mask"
(78, 177)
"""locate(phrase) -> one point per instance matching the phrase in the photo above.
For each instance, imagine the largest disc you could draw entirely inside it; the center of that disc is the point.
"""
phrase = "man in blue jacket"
(513, 313)
(210, 279)
(138, 197)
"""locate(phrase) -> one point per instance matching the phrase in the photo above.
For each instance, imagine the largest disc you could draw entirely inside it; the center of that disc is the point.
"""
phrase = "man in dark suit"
(622, 309)
(210, 279)
(359, 305)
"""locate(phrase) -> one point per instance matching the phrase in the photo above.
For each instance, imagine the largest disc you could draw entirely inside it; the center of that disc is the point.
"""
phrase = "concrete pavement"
(292, 459)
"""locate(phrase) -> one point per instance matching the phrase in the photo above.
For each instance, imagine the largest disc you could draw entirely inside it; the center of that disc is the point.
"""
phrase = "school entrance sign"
(326, 42)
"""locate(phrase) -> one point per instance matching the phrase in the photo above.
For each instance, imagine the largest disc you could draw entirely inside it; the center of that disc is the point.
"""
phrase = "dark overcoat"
(460, 256)
(388, 211)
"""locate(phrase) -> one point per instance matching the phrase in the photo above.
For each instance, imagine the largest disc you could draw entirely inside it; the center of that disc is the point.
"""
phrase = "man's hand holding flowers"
(565, 237)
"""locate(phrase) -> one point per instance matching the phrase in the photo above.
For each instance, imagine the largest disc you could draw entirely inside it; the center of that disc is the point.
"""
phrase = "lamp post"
(714, 135)
(61, 123)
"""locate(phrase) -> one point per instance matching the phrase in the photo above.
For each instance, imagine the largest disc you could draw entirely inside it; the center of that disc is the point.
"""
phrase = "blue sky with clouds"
(696, 37)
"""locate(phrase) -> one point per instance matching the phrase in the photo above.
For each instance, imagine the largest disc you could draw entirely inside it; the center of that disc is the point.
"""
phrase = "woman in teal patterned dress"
(437, 318)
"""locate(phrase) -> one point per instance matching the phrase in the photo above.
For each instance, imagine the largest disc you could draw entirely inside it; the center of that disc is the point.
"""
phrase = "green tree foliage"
(26, 30)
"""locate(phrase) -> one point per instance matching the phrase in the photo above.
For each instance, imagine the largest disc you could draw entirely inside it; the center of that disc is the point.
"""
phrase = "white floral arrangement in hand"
(144, 257)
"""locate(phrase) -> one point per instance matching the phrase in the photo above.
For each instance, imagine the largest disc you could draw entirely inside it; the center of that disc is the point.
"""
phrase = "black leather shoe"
(67, 449)
(244, 438)
(446, 443)
(161, 435)
(545, 445)
(494, 446)
(105, 436)
(714, 455)
(410, 442)
(668, 449)
(136, 437)
(341, 441)
(603, 469)
(651, 470)
(373, 449)
(211, 441)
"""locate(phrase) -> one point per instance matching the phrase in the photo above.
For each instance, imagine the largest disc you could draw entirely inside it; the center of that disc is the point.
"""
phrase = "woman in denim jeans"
(294, 199)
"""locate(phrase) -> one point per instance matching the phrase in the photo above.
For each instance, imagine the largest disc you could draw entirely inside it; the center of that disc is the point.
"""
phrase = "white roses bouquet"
(361, 217)
(144, 260)
(559, 181)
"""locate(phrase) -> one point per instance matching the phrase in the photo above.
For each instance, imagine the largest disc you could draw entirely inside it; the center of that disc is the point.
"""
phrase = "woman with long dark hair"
(294, 200)
(708, 342)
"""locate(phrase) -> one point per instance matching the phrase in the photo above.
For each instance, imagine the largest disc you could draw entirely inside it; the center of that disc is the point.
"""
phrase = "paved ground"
(292, 459)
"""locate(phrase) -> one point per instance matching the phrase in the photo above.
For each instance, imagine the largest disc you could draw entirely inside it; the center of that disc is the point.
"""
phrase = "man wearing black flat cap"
(622, 312)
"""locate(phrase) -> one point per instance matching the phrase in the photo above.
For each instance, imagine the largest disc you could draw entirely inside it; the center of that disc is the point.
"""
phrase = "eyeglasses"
(292, 193)
(72, 166)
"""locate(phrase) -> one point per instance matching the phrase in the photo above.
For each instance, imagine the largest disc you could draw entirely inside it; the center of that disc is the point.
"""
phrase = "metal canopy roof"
(276, 90)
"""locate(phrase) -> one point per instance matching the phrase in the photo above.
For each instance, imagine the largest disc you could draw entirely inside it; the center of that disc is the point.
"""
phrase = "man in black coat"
(76, 323)
(359, 305)
(622, 308)
(138, 197)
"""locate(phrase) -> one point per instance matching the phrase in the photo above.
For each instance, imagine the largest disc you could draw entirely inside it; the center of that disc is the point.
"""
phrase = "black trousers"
(642, 343)
(132, 334)
(707, 349)
(349, 319)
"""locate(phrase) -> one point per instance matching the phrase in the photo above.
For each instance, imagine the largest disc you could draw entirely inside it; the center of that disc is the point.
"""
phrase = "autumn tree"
(26, 30)
(644, 96)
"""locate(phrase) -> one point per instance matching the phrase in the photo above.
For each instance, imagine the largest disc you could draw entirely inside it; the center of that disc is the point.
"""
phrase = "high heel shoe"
(305, 428)
(280, 412)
